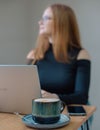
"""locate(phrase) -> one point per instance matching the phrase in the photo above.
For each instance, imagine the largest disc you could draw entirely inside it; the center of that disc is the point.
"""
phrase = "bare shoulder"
(30, 55)
(83, 54)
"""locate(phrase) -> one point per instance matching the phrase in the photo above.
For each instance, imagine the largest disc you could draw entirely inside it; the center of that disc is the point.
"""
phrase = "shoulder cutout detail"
(83, 54)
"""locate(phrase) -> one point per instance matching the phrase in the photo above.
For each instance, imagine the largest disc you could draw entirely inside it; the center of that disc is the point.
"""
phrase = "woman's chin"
(41, 32)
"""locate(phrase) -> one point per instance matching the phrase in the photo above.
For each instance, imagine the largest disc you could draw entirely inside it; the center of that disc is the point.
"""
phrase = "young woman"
(63, 64)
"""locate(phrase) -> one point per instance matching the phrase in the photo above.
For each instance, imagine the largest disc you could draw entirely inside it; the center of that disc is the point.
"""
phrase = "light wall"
(19, 28)
(15, 31)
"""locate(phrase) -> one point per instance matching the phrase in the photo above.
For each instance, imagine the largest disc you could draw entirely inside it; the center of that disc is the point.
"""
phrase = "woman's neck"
(50, 40)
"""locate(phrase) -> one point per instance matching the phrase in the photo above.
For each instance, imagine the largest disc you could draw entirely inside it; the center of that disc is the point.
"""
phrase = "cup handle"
(62, 106)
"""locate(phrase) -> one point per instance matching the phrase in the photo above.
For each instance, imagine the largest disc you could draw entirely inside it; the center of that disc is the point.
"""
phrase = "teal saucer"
(28, 121)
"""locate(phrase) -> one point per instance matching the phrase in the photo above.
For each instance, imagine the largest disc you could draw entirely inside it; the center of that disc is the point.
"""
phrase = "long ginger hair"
(65, 36)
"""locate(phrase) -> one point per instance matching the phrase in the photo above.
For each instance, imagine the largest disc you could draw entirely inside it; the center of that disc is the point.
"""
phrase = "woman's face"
(46, 23)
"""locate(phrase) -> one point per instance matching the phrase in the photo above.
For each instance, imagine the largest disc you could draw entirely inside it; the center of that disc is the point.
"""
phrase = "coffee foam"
(46, 100)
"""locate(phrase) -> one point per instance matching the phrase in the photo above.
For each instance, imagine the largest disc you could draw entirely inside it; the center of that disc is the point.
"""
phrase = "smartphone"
(76, 110)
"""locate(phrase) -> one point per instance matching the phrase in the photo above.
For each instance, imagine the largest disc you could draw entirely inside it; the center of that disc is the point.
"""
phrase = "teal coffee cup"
(47, 110)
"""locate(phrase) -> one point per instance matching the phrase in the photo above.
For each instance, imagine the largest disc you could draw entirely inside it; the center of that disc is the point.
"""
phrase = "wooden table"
(13, 122)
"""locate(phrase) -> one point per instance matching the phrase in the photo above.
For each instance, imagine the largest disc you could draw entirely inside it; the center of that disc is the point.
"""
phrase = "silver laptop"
(19, 84)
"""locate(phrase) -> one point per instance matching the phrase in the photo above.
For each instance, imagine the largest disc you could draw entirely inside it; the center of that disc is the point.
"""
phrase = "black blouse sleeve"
(82, 81)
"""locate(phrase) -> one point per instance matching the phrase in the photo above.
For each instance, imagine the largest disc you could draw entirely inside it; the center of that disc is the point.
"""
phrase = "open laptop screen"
(19, 84)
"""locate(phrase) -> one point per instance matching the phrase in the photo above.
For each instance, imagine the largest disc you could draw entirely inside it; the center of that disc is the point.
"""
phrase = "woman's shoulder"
(30, 55)
(83, 54)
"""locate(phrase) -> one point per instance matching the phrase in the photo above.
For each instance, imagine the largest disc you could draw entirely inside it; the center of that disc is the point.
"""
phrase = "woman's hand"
(46, 94)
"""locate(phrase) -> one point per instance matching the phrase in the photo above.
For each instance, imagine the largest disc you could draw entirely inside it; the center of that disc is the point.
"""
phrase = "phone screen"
(76, 110)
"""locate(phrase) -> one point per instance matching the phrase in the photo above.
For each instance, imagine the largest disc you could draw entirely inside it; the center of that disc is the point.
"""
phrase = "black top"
(70, 81)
